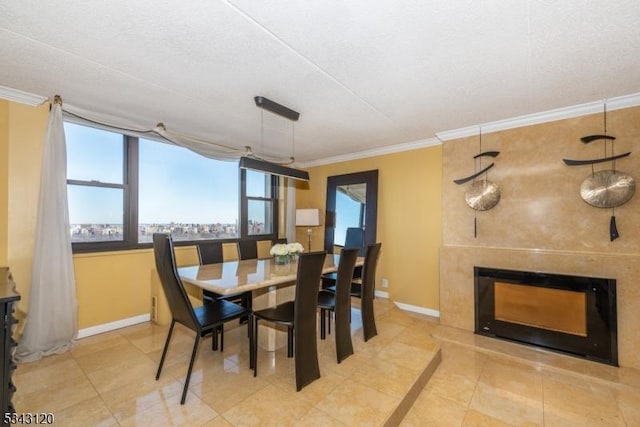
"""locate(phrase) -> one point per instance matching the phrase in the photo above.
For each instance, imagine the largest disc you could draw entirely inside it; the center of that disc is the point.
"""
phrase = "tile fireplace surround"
(541, 224)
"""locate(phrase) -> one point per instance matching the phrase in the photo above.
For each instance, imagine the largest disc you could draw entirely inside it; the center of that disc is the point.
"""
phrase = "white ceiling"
(364, 74)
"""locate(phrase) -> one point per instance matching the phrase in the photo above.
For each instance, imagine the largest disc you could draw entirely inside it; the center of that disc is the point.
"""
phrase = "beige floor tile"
(169, 412)
(229, 388)
(92, 412)
(478, 419)
(405, 355)
(135, 373)
(317, 418)
(218, 421)
(568, 397)
(118, 355)
(433, 410)
(63, 396)
(97, 343)
(512, 394)
(49, 376)
(54, 359)
(453, 386)
(125, 402)
(355, 404)
(629, 405)
(386, 377)
(271, 406)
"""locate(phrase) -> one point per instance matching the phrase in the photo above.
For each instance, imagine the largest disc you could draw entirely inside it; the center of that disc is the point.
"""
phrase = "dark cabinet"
(8, 298)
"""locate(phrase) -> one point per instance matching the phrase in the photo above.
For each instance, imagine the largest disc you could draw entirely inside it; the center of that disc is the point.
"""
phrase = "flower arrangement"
(284, 252)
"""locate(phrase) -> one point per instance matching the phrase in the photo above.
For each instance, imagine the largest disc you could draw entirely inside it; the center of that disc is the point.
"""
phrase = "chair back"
(344, 346)
(248, 249)
(209, 252)
(306, 301)
(369, 270)
(179, 304)
(354, 238)
(368, 288)
(346, 266)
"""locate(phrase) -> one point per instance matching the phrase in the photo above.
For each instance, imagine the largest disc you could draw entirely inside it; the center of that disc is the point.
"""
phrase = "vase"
(282, 259)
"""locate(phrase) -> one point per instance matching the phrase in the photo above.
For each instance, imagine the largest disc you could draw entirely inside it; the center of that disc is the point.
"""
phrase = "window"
(96, 183)
(123, 189)
(258, 203)
(184, 193)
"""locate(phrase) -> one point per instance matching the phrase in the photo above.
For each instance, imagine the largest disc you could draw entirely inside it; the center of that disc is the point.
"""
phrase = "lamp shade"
(307, 217)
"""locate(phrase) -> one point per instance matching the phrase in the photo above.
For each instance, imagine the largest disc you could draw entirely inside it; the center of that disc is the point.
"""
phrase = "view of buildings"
(108, 232)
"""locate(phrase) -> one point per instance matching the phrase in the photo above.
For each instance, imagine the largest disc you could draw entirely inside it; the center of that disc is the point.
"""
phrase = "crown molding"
(617, 103)
(16, 95)
(414, 145)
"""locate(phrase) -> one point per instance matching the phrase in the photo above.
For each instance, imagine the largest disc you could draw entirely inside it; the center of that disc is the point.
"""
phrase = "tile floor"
(109, 380)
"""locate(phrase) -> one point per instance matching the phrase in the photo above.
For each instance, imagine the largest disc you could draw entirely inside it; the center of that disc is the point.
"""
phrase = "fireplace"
(571, 314)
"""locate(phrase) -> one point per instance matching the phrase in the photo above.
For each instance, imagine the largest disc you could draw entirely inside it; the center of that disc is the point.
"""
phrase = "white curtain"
(291, 211)
(53, 309)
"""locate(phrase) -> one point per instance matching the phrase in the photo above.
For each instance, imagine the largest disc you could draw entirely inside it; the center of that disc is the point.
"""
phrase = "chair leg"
(329, 314)
(166, 346)
(251, 347)
(193, 358)
(289, 342)
(217, 331)
(323, 333)
(255, 347)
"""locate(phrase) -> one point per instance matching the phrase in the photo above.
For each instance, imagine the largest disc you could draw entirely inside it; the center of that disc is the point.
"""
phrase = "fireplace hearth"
(571, 314)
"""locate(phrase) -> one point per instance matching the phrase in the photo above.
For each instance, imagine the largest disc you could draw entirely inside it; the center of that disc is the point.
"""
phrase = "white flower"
(295, 248)
(279, 249)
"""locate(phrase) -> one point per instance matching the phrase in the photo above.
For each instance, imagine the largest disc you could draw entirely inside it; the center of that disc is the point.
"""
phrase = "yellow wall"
(4, 179)
(27, 126)
(409, 219)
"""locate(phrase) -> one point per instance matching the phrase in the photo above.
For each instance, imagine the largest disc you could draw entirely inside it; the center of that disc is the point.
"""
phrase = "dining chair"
(340, 304)
(354, 238)
(364, 289)
(248, 249)
(211, 252)
(202, 320)
(299, 316)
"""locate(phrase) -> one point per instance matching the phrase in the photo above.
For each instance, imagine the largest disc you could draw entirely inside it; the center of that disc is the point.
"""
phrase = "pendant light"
(252, 162)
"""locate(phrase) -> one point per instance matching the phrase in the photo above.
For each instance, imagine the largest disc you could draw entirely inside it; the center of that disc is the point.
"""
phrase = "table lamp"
(308, 218)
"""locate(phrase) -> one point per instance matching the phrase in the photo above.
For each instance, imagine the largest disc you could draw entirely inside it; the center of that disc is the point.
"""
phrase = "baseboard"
(416, 309)
(112, 326)
(382, 294)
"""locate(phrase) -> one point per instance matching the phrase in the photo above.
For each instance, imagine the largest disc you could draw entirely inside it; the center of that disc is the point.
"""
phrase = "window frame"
(130, 205)
(244, 209)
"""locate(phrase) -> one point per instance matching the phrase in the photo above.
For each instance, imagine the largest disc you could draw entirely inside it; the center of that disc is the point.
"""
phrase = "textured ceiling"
(363, 74)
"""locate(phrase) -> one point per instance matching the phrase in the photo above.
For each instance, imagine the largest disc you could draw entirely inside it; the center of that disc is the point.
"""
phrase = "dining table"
(269, 282)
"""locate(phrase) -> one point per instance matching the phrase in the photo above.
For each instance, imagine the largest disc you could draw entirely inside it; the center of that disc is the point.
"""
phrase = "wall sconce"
(308, 218)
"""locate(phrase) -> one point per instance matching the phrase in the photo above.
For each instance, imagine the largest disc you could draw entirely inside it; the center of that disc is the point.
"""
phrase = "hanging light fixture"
(250, 161)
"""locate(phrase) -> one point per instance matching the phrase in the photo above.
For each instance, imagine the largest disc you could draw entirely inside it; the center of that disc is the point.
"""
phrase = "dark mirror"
(351, 211)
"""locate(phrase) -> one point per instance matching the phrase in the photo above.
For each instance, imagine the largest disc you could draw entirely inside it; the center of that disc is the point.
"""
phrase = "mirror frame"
(370, 178)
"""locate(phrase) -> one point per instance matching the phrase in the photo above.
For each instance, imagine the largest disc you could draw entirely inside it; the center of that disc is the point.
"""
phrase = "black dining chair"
(248, 249)
(365, 289)
(354, 238)
(202, 320)
(212, 253)
(299, 316)
(340, 304)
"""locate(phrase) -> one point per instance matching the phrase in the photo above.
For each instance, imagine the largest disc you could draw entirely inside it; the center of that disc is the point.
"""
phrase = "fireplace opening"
(571, 314)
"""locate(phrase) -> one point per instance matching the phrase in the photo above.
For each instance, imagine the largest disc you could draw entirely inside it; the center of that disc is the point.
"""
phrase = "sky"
(174, 183)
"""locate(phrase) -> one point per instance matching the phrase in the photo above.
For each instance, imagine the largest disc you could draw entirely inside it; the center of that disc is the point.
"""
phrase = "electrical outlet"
(385, 283)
